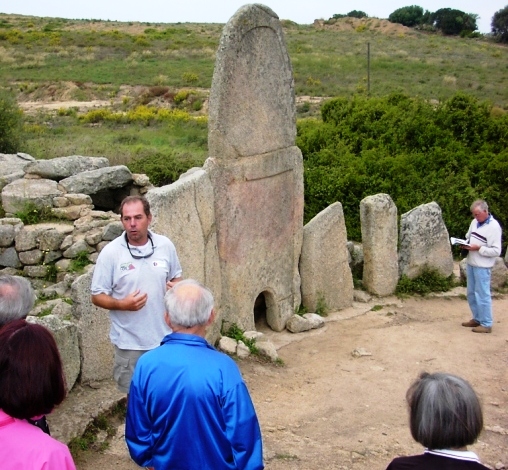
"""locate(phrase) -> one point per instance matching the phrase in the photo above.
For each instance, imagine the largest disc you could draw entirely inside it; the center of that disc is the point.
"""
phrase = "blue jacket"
(189, 408)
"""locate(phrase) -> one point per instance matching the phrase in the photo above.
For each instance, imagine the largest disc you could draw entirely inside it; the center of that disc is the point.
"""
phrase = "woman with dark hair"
(445, 416)
(31, 385)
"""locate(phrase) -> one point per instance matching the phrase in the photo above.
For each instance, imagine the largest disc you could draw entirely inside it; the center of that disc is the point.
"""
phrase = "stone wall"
(46, 252)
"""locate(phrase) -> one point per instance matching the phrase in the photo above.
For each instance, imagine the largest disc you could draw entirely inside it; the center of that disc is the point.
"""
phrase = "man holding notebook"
(484, 238)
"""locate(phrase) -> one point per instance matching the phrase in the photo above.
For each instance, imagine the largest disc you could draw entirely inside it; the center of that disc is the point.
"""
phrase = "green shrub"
(430, 280)
(499, 24)
(11, 123)
(46, 311)
(103, 422)
(166, 168)
(301, 310)
(189, 77)
(197, 105)
(303, 108)
(407, 16)
(51, 272)
(321, 307)
(181, 96)
(413, 150)
(79, 262)
(32, 214)
(357, 14)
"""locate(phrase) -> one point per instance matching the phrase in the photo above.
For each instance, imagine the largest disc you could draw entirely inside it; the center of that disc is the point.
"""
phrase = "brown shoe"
(482, 329)
(470, 323)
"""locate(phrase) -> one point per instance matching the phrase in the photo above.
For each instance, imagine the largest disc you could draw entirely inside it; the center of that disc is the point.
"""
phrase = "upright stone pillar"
(378, 215)
(324, 266)
(183, 211)
(256, 169)
(97, 353)
(424, 242)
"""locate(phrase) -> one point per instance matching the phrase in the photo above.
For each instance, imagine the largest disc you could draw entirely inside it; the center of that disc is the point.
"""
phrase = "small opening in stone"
(260, 312)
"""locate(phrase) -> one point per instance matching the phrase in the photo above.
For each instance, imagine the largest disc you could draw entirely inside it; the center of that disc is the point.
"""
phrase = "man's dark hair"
(31, 376)
(444, 411)
(130, 199)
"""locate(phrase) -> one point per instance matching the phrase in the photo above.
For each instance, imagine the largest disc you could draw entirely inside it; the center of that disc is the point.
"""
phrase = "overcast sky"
(219, 11)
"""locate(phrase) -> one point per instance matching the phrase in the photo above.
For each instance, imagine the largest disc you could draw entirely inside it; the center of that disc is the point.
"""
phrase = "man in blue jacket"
(189, 408)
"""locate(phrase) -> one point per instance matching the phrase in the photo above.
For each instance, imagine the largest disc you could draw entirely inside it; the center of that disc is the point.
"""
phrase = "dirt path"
(326, 409)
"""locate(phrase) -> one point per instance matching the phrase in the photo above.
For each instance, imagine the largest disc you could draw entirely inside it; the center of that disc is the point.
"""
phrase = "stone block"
(9, 257)
(378, 216)
(424, 242)
(7, 235)
(93, 181)
(324, 269)
(38, 271)
(93, 324)
(63, 167)
(31, 257)
(66, 337)
(499, 275)
(39, 192)
(182, 212)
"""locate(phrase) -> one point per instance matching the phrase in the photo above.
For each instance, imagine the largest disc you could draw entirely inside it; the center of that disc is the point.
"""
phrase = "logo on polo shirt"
(126, 267)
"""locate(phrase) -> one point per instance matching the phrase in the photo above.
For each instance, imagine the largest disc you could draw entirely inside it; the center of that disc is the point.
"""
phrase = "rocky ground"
(329, 407)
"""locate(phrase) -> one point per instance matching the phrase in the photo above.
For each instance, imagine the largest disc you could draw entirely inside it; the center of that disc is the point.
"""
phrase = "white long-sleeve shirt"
(488, 236)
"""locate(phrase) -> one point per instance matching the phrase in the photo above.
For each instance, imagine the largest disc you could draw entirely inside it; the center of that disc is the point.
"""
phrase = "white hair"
(189, 303)
(17, 298)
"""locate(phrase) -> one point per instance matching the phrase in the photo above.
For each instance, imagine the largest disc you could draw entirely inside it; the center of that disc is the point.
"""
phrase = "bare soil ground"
(327, 409)
(33, 102)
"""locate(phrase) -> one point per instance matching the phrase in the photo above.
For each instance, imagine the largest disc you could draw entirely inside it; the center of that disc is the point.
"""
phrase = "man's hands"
(470, 247)
(134, 301)
(173, 281)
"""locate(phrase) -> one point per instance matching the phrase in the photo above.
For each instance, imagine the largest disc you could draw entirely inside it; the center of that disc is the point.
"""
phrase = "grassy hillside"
(328, 59)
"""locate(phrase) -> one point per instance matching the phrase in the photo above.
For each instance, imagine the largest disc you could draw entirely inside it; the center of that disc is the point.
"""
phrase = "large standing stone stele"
(256, 169)
(252, 108)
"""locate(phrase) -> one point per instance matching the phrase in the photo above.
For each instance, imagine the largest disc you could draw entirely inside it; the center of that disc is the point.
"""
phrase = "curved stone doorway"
(265, 310)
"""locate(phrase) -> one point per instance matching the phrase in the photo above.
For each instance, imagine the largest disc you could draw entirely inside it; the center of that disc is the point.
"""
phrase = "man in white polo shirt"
(130, 279)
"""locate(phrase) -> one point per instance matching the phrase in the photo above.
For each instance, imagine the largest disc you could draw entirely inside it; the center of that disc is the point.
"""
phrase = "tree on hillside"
(453, 22)
(407, 16)
(499, 24)
(357, 14)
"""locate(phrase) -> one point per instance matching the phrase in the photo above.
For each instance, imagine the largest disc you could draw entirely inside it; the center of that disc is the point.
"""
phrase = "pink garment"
(24, 446)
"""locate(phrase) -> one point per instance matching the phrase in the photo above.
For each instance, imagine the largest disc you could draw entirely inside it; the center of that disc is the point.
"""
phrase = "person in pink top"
(31, 385)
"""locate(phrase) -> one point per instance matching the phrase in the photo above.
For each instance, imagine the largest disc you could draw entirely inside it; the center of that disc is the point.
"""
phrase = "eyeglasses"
(138, 256)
